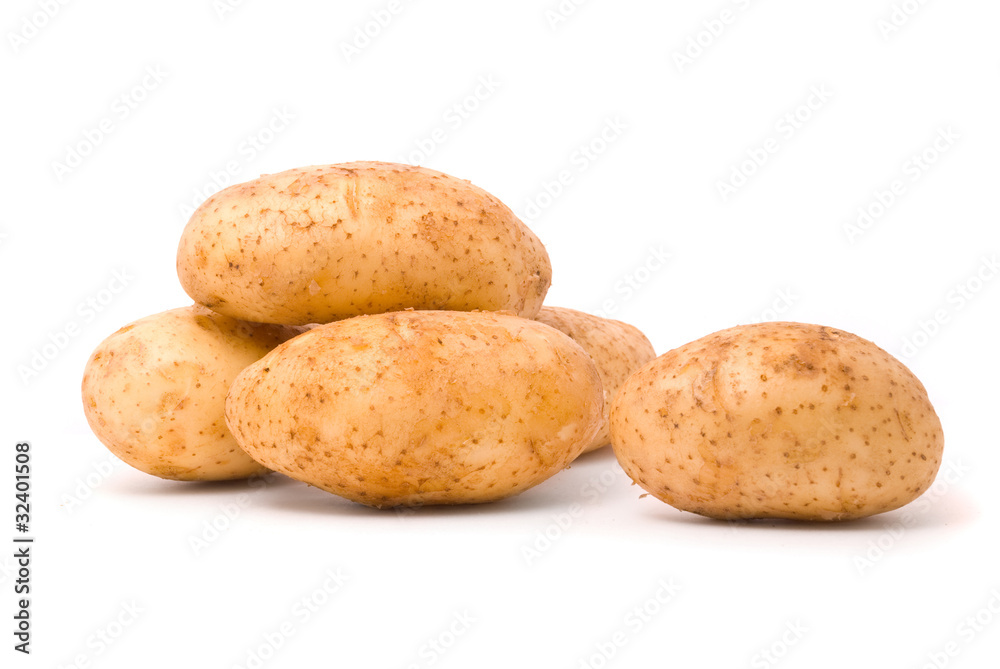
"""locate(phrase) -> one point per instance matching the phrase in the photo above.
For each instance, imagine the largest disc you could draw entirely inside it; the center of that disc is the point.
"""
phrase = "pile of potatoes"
(375, 330)
(378, 331)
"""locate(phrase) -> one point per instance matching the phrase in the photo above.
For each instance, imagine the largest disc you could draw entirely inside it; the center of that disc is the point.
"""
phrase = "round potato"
(318, 244)
(155, 392)
(419, 407)
(778, 420)
(618, 350)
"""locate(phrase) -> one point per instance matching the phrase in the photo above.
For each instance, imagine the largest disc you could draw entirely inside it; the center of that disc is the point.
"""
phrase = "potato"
(778, 420)
(618, 350)
(318, 244)
(155, 391)
(419, 407)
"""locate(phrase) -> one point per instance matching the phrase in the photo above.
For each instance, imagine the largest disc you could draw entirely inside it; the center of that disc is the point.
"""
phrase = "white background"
(892, 591)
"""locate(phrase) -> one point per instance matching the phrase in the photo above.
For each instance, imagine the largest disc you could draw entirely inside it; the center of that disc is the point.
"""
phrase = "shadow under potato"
(554, 493)
(139, 483)
(303, 498)
(281, 492)
(952, 509)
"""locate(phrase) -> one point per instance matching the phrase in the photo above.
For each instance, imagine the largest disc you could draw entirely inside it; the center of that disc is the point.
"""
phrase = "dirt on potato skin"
(420, 407)
(778, 420)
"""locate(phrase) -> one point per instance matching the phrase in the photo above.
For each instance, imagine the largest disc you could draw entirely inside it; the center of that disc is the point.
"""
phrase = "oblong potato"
(317, 244)
(419, 407)
(618, 350)
(154, 392)
(778, 420)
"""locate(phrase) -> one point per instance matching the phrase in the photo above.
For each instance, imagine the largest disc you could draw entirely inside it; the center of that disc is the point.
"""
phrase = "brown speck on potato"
(466, 251)
(173, 425)
(811, 462)
(504, 403)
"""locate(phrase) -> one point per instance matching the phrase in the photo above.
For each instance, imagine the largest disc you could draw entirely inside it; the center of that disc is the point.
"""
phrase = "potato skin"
(419, 407)
(618, 350)
(778, 420)
(154, 392)
(322, 243)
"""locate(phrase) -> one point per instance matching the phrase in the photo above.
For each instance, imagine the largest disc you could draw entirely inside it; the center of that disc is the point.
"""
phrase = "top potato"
(317, 244)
